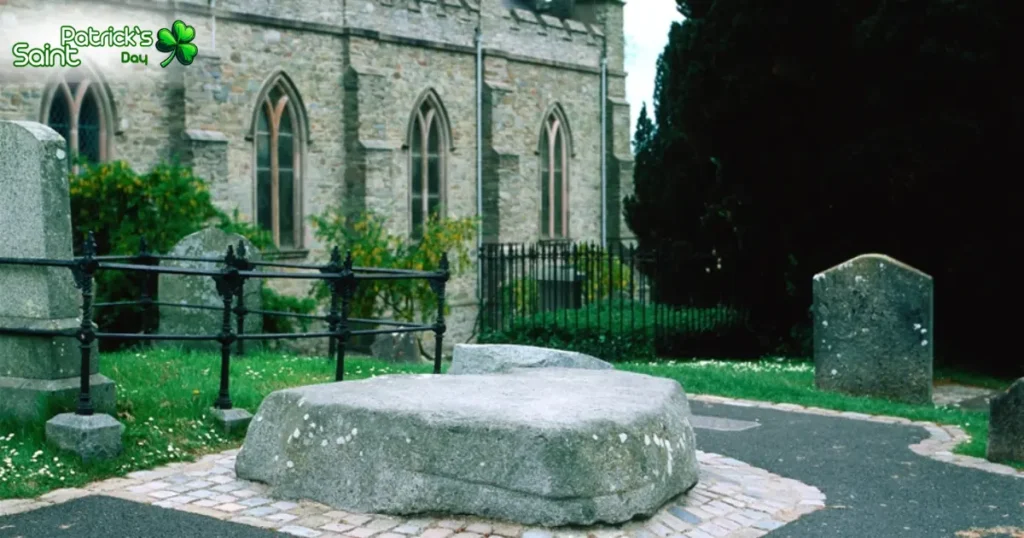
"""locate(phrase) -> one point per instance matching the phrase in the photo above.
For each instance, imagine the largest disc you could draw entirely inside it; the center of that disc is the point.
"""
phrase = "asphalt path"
(875, 487)
(108, 517)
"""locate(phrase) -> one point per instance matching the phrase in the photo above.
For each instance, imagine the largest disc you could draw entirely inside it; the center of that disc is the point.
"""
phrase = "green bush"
(276, 302)
(620, 330)
(371, 245)
(121, 206)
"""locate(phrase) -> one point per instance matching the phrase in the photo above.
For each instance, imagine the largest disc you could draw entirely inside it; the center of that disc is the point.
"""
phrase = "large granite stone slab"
(873, 330)
(1006, 425)
(202, 290)
(496, 358)
(551, 446)
(38, 374)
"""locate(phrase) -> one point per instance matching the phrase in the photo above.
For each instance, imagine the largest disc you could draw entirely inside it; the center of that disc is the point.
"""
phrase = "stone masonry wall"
(359, 68)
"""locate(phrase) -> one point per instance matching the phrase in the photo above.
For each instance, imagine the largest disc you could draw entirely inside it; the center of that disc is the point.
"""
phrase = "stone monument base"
(93, 437)
(231, 420)
(36, 400)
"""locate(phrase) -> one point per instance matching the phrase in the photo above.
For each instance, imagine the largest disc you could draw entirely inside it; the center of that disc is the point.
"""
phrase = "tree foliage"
(835, 128)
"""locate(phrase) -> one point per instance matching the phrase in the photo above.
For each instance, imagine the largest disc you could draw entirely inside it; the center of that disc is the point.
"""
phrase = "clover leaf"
(178, 42)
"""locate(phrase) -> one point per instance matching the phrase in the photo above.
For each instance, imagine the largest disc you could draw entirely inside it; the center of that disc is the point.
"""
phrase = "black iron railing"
(614, 302)
(342, 278)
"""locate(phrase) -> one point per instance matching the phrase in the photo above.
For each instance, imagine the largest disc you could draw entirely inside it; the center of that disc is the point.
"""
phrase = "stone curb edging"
(732, 500)
(938, 447)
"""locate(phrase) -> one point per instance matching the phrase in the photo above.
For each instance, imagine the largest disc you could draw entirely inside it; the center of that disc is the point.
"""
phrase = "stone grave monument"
(202, 290)
(873, 330)
(1006, 425)
(39, 375)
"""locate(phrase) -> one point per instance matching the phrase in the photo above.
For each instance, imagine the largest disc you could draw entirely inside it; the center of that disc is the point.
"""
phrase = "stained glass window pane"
(60, 116)
(545, 185)
(263, 150)
(285, 122)
(434, 159)
(286, 183)
(557, 168)
(263, 194)
(89, 129)
(416, 173)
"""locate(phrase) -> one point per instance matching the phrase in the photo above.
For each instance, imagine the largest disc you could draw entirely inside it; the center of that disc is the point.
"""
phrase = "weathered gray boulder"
(202, 291)
(549, 447)
(1006, 424)
(497, 358)
(396, 347)
(873, 330)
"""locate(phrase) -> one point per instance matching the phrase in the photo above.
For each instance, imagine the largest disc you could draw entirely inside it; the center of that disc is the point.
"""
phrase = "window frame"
(287, 100)
(86, 87)
(428, 113)
(555, 129)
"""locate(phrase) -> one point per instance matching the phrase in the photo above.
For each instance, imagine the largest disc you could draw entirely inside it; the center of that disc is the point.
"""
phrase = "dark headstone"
(202, 291)
(873, 330)
(1006, 425)
(396, 347)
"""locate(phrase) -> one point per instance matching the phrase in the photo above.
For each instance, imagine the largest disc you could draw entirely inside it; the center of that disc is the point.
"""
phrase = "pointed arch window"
(428, 146)
(554, 178)
(76, 110)
(279, 141)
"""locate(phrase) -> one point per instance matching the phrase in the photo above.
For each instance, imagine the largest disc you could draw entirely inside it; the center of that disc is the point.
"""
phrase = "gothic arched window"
(428, 146)
(76, 110)
(279, 139)
(554, 177)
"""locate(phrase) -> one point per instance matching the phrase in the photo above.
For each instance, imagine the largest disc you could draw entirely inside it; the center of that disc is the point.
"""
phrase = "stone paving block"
(304, 532)
(64, 495)
(453, 524)
(230, 507)
(254, 522)
(436, 532)
(338, 527)
(283, 517)
(261, 511)
(479, 528)
(357, 519)
(361, 532)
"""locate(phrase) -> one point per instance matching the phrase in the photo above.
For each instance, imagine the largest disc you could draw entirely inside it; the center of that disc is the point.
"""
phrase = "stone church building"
(513, 110)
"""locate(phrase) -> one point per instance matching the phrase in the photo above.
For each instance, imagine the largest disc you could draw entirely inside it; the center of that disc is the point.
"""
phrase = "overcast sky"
(647, 23)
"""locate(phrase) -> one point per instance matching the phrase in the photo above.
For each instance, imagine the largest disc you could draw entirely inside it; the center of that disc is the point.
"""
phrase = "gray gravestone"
(1006, 425)
(39, 375)
(873, 333)
(396, 347)
(202, 290)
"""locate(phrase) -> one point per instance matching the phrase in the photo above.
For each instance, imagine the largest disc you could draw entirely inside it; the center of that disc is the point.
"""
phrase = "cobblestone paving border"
(732, 500)
(939, 446)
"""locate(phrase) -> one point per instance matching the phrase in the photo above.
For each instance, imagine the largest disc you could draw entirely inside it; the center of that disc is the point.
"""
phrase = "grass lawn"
(163, 399)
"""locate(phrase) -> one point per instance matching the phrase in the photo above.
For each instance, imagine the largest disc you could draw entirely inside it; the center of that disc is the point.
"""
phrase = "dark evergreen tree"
(835, 128)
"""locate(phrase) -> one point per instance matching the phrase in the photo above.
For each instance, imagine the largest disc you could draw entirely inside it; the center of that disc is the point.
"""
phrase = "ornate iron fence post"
(83, 271)
(347, 283)
(228, 283)
(333, 268)
(242, 264)
(437, 284)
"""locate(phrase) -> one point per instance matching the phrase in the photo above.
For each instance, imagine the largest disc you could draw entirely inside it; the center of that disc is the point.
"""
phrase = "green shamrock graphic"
(177, 41)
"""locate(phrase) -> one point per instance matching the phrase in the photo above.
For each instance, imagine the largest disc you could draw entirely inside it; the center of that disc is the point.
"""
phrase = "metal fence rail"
(617, 296)
(340, 275)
